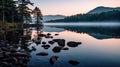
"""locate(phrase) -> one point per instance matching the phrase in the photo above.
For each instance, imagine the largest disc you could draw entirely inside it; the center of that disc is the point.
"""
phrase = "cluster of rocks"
(61, 43)
(10, 56)
(48, 35)
(60, 46)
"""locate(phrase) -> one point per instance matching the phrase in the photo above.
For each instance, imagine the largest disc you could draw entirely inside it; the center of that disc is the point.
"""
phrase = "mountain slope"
(103, 16)
(53, 17)
(101, 9)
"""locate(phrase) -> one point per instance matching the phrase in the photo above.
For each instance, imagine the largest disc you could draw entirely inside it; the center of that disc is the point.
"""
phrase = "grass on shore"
(13, 25)
(8, 25)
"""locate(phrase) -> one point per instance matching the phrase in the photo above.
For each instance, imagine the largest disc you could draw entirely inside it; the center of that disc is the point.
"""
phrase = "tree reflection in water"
(14, 51)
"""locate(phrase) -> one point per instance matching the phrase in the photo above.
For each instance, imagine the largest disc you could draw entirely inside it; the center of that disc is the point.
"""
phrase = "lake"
(100, 45)
(62, 45)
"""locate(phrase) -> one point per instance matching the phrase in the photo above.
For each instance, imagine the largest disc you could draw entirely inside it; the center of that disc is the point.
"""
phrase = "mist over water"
(84, 24)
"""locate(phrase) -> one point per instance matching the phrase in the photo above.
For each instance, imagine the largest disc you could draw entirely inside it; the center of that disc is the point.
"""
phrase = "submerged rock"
(33, 48)
(57, 49)
(65, 48)
(48, 34)
(56, 40)
(61, 42)
(46, 46)
(73, 62)
(42, 54)
(56, 34)
(53, 59)
(42, 35)
(51, 42)
(73, 44)
(51, 36)
(37, 42)
(43, 42)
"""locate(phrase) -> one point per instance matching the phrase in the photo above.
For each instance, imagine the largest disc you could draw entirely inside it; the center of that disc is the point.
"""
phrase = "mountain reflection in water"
(98, 32)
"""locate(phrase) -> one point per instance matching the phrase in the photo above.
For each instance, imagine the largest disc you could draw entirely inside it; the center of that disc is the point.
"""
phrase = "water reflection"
(63, 48)
(98, 32)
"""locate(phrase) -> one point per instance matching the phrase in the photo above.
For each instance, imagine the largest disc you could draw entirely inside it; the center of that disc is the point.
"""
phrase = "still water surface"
(100, 45)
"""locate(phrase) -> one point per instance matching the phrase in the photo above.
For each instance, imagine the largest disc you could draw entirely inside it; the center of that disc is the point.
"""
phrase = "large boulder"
(73, 44)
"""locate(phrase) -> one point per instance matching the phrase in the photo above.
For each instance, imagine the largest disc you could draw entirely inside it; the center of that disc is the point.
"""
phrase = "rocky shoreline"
(11, 56)
(15, 52)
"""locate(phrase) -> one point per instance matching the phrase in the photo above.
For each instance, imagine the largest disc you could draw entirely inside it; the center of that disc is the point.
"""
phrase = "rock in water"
(43, 42)
(57, 49)
(51, 42)
(42, 35)
(42, 54)
(45, 46)
(73, 44)
(33, 48)
(61, 42)
(37, 42)
(73, 62)
(48, 34)
(56, 34)
(53, 59)
(65, 48)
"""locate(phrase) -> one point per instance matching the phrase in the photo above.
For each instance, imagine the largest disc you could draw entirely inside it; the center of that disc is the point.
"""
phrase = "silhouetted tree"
(10, 12)
(37, 15)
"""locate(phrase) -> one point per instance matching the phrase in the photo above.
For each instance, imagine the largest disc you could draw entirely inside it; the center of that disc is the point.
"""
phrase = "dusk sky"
(71, 7)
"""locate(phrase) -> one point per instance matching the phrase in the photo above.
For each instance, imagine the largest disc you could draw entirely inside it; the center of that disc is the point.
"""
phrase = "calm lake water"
(100, 45)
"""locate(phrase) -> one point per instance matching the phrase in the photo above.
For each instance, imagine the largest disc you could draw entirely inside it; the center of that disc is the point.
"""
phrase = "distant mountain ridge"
(100, 13)
(53, 17)
(101, 9)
